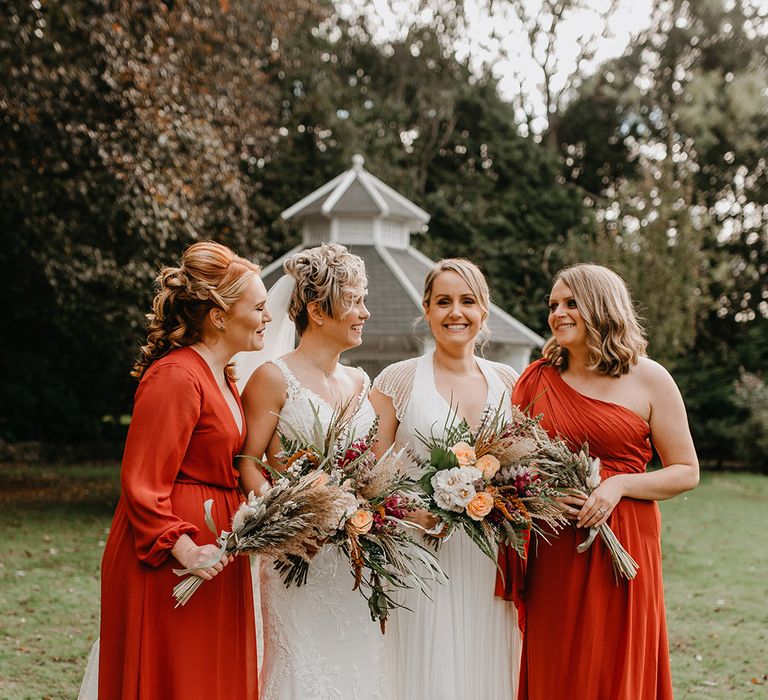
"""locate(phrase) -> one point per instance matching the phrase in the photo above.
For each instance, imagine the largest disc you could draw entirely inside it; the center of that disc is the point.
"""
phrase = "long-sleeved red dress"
(179, 453)
(587, 637)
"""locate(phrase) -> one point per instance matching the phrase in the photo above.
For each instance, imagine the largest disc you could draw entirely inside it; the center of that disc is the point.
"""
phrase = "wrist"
(621, 480)
(182, 549)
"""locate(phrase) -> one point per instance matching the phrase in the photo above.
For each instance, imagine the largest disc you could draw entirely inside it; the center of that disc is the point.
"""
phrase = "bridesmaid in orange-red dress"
(187, 426)
(587, 636)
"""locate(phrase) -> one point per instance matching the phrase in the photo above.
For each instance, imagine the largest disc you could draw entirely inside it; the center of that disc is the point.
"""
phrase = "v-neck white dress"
(465, 642)
(319, 640)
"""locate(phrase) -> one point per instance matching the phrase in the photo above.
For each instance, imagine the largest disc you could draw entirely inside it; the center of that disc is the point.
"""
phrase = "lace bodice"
(319, 640)
(301, 403)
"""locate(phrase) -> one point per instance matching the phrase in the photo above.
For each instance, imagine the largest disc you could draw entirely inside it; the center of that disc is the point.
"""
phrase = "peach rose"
(489, 465)
(361, 522)
(465, 453)
(480, 506)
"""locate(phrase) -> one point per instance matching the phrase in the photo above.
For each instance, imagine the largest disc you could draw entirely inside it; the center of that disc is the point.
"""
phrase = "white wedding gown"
(464, 643)
(319, 640)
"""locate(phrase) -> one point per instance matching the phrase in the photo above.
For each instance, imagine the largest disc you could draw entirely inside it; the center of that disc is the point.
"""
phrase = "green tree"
(437, 132)
(124, 132)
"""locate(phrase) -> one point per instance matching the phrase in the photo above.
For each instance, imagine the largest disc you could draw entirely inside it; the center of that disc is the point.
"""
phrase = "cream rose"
(489, 465)
(465, 453)
(480, 505)
(361, 521)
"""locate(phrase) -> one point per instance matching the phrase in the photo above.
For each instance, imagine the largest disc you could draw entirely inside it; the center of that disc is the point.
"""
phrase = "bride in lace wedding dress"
(465, 642)
(319, 640)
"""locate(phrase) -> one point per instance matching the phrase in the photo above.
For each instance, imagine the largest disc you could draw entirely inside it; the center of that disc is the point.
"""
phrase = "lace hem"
(396, 381)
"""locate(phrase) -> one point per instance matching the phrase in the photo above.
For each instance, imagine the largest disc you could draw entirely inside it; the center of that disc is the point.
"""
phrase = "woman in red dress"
(187, 426)
(587, 635)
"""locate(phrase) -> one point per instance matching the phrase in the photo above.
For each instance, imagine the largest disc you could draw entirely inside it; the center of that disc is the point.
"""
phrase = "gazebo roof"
(374, 221)
(358, 193)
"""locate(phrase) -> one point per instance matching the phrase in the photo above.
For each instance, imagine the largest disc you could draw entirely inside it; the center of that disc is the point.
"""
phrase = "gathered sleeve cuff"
(166, 410)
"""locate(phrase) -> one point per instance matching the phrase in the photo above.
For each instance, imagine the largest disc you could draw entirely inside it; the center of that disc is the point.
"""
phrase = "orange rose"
(361, 522)
(489, 465)
(480, 506)
(465, 453)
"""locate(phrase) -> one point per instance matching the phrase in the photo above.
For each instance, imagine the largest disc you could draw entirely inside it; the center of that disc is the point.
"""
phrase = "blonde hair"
(615, 339)
(471, 274)
(209, 276)
(329, 275)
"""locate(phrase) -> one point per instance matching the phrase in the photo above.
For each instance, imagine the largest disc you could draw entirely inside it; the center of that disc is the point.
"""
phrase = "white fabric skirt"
(464, 643)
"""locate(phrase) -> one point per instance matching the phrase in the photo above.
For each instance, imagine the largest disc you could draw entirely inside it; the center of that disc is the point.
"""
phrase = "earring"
(220, 328)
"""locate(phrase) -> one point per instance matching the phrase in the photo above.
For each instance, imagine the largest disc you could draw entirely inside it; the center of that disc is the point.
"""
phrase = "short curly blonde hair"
(615, 339)
(209, 276)
(329, 275)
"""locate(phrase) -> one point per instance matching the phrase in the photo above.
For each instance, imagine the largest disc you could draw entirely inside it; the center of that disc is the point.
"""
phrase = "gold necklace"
(327, 375)
(448, 371)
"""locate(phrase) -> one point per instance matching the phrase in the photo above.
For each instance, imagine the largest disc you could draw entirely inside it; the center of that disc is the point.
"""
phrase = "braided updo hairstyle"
(329, 275)
(209, 276)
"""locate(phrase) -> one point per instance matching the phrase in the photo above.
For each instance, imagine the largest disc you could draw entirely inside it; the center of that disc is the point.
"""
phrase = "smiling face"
(565, 321)
(346, 329)
(453, 312)
(246, 320)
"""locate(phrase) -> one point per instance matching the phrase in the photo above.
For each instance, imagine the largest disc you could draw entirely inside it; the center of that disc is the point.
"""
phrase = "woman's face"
(564, 319)
(246, 320)
(346, 329)
(454, 313)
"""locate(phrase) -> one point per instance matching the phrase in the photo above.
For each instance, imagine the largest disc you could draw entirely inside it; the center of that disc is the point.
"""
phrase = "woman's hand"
(423, 518)
(190, 556)
(601, 502)
(571, 503)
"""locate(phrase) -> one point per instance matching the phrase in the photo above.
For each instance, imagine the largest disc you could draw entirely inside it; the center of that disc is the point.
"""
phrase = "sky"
(507, 49)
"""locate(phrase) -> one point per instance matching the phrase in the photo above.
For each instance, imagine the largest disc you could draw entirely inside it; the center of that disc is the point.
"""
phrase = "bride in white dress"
(465, 642)
(319, 639)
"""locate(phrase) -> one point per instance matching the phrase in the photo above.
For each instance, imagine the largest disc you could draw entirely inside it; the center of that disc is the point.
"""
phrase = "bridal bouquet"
(376, 498)
(285, 521)
(488, 481)
(579, 472)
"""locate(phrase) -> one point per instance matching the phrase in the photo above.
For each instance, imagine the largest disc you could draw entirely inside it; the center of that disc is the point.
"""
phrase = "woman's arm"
(263, 399)
(388, 422)
(672, 439)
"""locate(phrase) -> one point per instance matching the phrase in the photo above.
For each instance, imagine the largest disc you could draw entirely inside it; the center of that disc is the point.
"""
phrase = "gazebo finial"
(358, 161)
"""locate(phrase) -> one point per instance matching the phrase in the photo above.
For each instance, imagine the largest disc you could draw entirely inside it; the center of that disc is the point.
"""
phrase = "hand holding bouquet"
(579, 472)
(488, 482)
(285, 521)
(376, 495)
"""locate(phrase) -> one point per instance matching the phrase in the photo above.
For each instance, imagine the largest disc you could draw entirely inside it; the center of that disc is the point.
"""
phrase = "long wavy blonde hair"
(209, 276)
(615, 339)
(327, 274)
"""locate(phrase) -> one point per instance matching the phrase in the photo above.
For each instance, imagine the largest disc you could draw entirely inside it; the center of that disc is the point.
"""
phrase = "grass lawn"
(53, 523)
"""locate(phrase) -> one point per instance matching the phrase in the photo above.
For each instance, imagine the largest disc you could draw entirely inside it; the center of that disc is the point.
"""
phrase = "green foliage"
(437, 133)
(674, 166)
(752, 438)
(123, 133)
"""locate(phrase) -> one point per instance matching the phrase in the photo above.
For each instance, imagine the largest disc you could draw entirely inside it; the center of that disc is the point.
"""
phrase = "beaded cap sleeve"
(396, 381)
(507, 375)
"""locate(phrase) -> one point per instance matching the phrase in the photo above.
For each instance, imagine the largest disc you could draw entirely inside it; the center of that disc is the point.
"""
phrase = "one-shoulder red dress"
(588, 637)
(179, 453)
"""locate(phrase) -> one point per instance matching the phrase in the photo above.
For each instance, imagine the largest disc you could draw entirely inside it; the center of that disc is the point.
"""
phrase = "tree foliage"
(124, 133)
